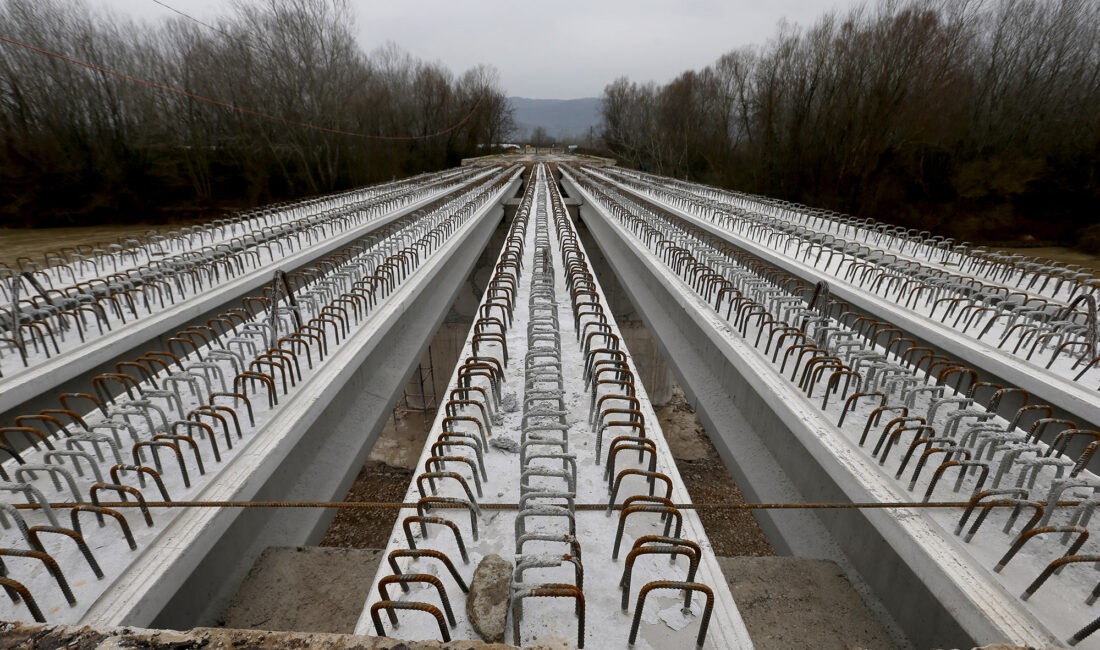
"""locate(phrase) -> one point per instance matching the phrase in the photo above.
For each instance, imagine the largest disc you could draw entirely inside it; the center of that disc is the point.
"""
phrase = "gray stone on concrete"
(505, 444)
(795, 603)
(487, 602)
(304, 589)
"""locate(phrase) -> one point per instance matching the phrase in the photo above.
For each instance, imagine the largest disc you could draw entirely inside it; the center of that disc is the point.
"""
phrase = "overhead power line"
(192, 18)
(239, 109)
(213, 28)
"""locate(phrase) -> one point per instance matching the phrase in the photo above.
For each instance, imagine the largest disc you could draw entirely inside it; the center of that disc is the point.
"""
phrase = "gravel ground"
(731, 532)
(369, 528)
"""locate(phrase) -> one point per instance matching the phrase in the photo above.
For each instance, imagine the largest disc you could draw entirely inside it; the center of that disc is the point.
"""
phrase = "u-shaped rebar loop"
(949, 449)
(78, 539)
(573, 543)
(426, 552)
(565, 474)
(391, 605)
(51, 565)
(439, 463)
(17, 591)
(403, 580)
(631, 443)
(1017, 504)
(33, 497)
(891, 435)
(1053, 568)
(875, 416)
(424, 504)
(431, 477)
(1023, 537)
(664, 507)
(1039, 427)
(448, 425)
(74, 515)
(924, 437)
(450, 439)
(122, 490)
(161, 440)
(53, 471)
(32, 436)
(215, 413)
(141, 470)
(634, 425)
(637, 472)
(205, 428)
(548, 591)
(708, 609)
(978, 496)
(66, 398)
(850, 403)
(962, 464)
(1062, 440)
(407, 522)
(549, 561)
(250, 377)
(671, 546)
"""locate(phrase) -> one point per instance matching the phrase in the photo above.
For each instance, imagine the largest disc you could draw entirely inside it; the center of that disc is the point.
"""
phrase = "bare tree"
(85, 145)
(977, 117)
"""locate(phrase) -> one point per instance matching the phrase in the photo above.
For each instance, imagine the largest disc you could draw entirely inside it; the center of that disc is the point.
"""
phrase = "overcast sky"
(560, 49)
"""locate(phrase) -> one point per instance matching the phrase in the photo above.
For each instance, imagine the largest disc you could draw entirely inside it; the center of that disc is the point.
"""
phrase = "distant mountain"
(562, 118)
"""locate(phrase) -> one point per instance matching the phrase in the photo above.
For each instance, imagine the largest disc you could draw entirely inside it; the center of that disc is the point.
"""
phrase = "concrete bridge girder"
(337, 415)
(778, 451)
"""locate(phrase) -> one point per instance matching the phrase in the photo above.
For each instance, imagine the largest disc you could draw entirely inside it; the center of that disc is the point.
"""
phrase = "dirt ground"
(731, 532)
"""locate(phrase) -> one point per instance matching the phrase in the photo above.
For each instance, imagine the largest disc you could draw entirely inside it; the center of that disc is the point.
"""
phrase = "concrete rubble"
(73, 637)
(487, 602)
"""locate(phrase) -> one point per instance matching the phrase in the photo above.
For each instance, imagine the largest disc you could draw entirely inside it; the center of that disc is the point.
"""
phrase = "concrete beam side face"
(933, 609)
(326, 461)
(273, 466)
(37, 388)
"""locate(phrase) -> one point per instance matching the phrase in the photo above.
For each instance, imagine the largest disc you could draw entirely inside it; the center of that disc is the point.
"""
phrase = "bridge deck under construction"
(921, 411)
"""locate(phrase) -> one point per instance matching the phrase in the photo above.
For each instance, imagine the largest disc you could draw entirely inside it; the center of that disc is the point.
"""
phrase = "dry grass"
(36, 242)
(1060, 254)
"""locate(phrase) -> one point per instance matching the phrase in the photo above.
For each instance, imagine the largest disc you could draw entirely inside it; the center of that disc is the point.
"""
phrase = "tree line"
(979, 119)
(299, 109)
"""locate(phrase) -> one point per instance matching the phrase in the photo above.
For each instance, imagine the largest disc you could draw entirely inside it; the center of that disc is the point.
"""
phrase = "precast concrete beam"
(35, 388)
(1072, 398)
(542, 328)
(780, 449)
(312, 452)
